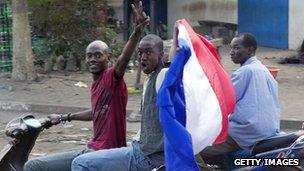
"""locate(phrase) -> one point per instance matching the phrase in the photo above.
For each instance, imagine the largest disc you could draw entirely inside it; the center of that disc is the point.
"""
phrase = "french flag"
(194, 100)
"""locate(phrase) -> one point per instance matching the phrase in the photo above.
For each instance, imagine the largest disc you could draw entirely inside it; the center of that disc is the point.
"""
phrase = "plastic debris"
(133, 90)
(84, 129)
(81, 84)
(70, 142)
(68, 125)
(11, 88)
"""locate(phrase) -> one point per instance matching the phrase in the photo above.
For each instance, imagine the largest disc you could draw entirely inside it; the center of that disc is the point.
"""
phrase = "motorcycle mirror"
(32, 123)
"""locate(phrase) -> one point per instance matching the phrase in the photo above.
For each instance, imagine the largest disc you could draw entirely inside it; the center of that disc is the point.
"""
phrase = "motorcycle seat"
(276, 142)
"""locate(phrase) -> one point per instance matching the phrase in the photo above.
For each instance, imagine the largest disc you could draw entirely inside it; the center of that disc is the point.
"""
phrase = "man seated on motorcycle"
(257, 113)
(108, 98)
(147, 152)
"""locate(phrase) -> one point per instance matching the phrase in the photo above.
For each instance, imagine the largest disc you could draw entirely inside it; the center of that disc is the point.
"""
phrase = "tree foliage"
(68, 26)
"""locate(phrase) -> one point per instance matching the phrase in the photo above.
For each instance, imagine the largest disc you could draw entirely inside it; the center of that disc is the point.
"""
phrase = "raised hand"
(174, 48)
(141, 19)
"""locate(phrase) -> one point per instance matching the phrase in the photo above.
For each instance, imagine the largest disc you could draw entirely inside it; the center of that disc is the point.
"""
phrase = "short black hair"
(248, 40)
(156, 39)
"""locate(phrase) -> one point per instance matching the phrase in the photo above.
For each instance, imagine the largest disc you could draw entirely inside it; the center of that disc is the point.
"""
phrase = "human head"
(150, 52)
(97, 56)
(243, 46)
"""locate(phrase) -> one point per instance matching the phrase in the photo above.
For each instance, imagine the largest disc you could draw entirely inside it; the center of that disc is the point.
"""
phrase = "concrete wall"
(195, 10)
(296, 23)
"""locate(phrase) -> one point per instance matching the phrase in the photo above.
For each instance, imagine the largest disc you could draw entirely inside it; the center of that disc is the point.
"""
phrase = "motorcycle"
(282, 152)
(23, 132)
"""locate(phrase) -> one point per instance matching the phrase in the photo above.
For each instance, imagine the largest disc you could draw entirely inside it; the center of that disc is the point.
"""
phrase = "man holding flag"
(197, 96)
(195, 99)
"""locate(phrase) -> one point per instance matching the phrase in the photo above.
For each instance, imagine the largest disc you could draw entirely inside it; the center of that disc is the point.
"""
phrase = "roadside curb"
(291, 124)
(41, 108)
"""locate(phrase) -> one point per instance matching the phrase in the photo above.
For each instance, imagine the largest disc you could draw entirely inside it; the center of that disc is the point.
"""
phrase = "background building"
(277, 24)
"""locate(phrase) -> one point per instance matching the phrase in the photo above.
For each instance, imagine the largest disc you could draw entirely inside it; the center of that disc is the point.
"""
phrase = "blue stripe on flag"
(171, 101)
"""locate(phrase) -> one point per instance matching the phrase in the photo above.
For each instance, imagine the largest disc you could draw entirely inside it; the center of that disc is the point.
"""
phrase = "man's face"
(149, 55)
(96, 59)
(239, 54)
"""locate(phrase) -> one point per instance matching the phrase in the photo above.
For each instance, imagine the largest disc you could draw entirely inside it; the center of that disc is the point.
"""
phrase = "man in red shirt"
(108, 99)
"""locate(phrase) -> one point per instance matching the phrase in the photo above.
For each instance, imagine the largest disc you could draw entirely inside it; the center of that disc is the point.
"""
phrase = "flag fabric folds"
(194, 100)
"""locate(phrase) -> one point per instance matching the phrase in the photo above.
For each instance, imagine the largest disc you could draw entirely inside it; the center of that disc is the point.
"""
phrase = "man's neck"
(247, 59)
(96, 76)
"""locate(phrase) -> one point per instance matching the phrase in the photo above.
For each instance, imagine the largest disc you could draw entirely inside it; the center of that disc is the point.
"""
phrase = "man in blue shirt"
(257, 112)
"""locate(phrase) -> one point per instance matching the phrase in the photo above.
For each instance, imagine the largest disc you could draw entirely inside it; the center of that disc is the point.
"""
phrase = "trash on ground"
(84, 129)
(69, 142)
(81, 84)
(68, 125)
(74, 136)
(11, 88)
(133, 90)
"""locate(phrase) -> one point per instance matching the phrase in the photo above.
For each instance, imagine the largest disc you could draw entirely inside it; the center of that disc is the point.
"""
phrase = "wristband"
(69, 117)
(61, 119)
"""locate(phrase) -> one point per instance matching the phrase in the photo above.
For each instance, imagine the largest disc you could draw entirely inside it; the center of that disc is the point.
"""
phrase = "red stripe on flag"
(219, 79)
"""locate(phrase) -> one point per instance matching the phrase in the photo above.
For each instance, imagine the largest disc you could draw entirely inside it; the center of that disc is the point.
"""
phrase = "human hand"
(141, 19)
(175, 47)
(55, 119)
(175, 36)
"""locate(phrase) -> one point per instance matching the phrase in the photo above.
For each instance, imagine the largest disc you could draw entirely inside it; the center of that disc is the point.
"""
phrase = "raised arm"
(174, 47)
(141, 20)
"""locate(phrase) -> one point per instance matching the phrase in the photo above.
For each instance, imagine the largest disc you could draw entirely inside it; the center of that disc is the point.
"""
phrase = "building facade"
(276, 23)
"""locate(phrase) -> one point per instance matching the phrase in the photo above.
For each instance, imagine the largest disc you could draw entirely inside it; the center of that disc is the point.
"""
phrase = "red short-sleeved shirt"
(109, 100)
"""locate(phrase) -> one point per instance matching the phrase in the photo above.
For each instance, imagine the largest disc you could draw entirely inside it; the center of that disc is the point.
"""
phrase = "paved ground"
(56, 92)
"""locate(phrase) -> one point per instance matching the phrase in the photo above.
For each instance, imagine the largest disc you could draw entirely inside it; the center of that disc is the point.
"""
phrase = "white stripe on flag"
(203, 112)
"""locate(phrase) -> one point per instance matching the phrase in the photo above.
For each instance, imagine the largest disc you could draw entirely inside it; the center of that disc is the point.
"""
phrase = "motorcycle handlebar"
(15, 129)
(15, 132)
(45, 122)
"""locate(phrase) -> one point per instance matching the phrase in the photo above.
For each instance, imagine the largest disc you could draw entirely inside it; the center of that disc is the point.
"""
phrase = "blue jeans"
(55, 162)
(118, 159)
